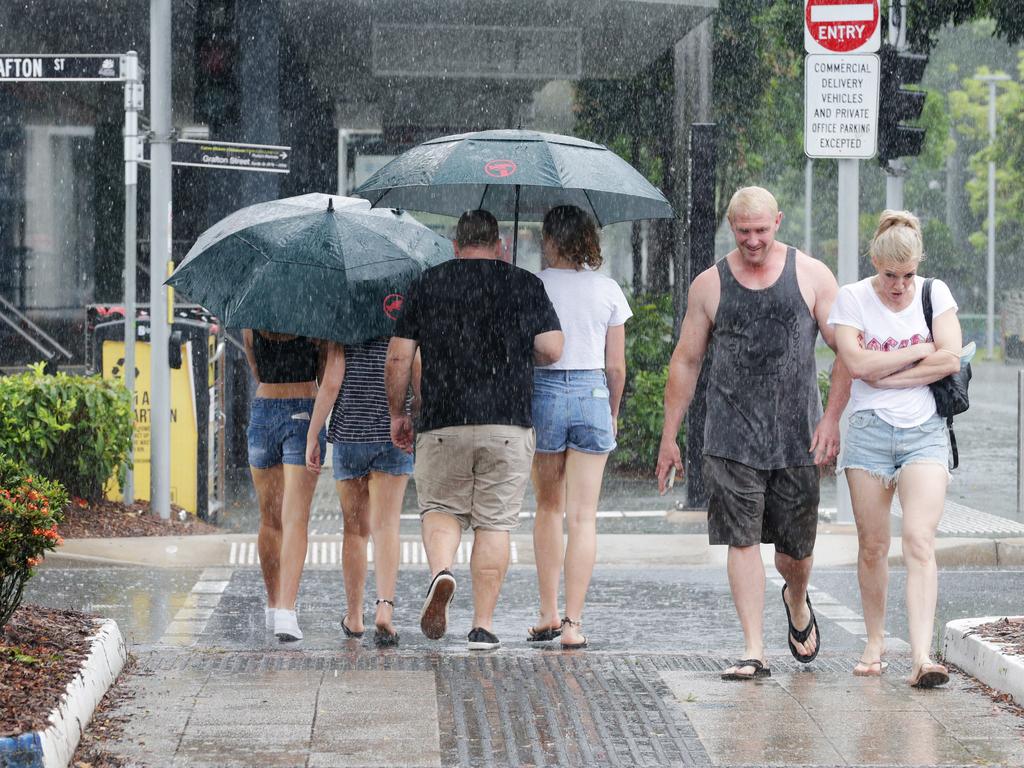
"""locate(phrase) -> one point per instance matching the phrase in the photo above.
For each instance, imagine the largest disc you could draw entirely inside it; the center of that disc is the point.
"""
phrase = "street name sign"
(842, 26)
(841, 106)
(60, 67)
(231, 155)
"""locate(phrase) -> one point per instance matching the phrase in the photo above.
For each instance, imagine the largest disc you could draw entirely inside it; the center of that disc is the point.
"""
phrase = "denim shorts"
(881, 449)
(571, 410)
(354, 460)
(277, 431)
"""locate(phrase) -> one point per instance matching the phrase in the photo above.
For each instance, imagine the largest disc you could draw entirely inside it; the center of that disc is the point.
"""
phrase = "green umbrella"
(316, 265)
(515, 174)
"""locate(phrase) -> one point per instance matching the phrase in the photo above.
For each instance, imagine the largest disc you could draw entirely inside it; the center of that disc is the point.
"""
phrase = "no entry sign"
(841, 26)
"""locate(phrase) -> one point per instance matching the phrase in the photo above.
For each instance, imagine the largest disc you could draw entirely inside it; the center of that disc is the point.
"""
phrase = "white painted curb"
(982, 659)
(106, 658)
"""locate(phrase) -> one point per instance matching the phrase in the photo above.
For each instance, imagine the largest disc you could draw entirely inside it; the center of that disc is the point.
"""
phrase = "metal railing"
(39, 339)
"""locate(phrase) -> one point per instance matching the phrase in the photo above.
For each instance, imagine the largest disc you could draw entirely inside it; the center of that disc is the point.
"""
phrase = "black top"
(475, 321)
(285, 362)
(763, 401)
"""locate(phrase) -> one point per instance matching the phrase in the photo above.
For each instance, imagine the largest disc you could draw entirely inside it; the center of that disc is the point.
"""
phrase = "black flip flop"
(348, 632)
(801, 635)
(760, 670)
(543, 636)
(384, 639)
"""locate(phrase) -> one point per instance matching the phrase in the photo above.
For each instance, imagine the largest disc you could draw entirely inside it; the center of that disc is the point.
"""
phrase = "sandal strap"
(755, 663)
(385, 600)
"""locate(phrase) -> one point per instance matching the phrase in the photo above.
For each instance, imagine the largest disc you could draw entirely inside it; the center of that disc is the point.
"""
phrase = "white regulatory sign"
(841, 105)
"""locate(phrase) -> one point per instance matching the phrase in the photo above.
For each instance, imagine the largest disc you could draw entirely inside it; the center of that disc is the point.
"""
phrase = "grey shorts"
(748, 506)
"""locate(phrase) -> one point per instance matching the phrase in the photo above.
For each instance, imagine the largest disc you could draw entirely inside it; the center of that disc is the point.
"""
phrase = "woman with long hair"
(896, 442)
(575, 412)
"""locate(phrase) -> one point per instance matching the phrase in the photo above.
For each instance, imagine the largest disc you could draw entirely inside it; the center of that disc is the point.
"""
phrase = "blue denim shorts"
(277, 431)
(571, 410)
(354, 460)
(881, 449)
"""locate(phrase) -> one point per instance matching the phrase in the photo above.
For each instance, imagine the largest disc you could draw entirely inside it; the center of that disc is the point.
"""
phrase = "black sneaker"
(434, 616)
(482, 640)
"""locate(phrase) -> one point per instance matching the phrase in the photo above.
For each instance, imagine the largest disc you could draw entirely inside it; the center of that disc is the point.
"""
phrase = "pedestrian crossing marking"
(322, 553)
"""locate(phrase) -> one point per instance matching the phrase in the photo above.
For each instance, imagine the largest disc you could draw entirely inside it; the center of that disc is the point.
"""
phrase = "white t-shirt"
(587, 303)
(882, 329)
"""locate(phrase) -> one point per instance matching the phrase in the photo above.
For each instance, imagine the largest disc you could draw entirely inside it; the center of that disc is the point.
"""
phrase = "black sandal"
(348, 632)
(545, 635)
(760, 670)
(382, 638)
(801, 635)
(574, 625)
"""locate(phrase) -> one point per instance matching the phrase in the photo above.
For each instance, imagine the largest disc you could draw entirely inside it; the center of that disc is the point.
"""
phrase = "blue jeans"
(277, 431)
(571, 409)
(354, 460)
(882, 450)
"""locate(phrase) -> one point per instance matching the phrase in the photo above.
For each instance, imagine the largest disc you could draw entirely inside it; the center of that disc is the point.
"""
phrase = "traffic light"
(896, 104)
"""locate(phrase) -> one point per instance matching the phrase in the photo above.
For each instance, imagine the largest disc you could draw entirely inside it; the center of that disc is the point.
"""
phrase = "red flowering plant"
(30, 509)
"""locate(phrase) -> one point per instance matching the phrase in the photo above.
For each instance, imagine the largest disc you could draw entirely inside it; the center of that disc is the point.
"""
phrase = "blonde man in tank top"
(759, 311)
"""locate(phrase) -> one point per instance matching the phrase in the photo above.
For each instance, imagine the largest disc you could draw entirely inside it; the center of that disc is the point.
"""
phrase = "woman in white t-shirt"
(575, 410)
(896, 442)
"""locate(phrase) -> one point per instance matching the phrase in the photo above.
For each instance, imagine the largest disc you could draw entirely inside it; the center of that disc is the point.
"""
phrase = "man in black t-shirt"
(480, 325)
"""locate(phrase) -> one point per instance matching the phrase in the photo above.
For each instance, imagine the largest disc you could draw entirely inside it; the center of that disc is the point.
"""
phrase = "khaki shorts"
(477, 473)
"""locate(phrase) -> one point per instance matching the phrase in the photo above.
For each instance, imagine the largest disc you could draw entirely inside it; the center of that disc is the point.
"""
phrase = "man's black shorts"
(771, 506)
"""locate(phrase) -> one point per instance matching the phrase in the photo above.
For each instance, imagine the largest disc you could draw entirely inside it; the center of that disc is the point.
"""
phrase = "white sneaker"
(268, 615)
(286, 626)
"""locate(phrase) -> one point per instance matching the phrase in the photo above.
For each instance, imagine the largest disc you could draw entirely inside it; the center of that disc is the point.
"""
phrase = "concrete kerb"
(55, 745)
(983, 659)
(836, 546)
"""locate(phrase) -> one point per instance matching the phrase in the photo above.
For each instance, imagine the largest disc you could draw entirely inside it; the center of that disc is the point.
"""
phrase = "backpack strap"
(926, 302)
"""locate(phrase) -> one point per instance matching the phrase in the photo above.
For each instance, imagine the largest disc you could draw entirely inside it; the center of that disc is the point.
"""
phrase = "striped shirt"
(360, 413)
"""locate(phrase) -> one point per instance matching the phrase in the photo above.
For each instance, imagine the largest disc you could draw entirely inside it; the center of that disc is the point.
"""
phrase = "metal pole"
(132, 104)
(702, 225)
(990, 281)
(1020, 443)
(160, 254)
(808, 206)
(990, 272)
(894, 173)
(849, 240)
(343, 161)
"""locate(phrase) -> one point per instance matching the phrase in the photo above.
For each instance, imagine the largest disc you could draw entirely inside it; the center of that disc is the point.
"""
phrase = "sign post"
(841, 78)
(98, 68)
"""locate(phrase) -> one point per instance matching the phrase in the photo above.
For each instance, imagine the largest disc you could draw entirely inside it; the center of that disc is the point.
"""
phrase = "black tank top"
(285, 362)
(763, 402)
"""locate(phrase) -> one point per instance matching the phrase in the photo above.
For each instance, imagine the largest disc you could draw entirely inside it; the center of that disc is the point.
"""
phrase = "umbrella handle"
(515, 230)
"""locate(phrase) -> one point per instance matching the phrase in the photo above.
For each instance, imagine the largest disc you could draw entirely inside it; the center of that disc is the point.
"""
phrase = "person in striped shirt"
(370, 474)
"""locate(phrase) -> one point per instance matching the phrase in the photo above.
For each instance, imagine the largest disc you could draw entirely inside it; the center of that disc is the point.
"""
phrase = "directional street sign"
(841, 106)
(230, 155)
(841, 26)
(97, 67)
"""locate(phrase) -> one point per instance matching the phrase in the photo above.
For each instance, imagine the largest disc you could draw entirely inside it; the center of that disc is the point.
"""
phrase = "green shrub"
(73, 429)
(640, 432)
(824, 383)
(649, 345)
(30, 509)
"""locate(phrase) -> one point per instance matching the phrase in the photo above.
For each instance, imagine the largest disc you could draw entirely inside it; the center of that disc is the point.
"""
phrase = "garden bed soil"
(104, 519)
(1008, 632)
(41, 651)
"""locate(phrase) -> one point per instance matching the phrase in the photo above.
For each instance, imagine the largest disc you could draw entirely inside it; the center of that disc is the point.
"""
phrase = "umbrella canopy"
(315, 265)
(515, 174)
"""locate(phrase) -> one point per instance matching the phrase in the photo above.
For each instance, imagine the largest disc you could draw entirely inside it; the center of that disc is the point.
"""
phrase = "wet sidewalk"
(213, 688)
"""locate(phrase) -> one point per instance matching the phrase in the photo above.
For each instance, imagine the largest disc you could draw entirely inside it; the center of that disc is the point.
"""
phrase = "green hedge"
(76, 430)
(649, 346)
